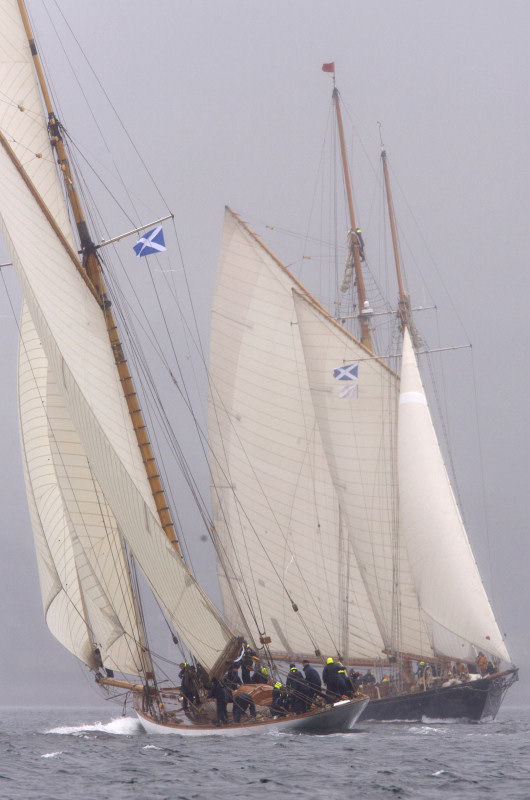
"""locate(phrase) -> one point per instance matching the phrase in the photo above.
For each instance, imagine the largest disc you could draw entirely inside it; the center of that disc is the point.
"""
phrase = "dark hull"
(471, 702)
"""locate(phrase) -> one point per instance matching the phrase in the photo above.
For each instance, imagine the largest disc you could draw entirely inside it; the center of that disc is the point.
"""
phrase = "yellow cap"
(329, 661)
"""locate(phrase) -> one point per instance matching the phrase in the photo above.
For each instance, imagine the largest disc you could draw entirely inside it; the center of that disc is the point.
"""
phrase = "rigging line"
(181, 458)
(150, 395)
(438, 272)
(482, 479)
(136, 352)
(311, 462)
(105, 94)
(274, 517)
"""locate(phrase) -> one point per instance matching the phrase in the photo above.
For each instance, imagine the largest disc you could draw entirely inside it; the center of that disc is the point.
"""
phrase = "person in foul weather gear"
(243, 701)
(280, 701)
(333, 681)
(222, 695)
(297, 690)
(232, 679)
(260, 675)
(360, 242)
(188, 685)
(313, 680)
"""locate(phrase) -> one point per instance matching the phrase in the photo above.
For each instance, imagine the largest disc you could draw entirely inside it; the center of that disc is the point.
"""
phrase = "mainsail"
(82, 438)
(288, 565)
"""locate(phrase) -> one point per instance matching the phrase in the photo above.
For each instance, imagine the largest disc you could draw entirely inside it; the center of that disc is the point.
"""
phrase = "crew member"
(222, 695)
(260, 676)
(242, 701)
(297, 690)
(313, 680)
(332, 680)
(279, 705)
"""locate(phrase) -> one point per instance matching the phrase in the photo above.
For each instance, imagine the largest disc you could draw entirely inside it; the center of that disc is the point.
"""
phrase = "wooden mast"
(366, 338)
(404, 309)
(393, 230)
(90, 267)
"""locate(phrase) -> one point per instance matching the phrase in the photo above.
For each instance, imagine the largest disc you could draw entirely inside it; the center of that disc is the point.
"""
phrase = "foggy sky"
(228, 105)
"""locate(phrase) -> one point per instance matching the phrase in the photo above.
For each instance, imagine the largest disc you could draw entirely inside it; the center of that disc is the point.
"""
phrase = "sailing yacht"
(99, 510)
(328, 475)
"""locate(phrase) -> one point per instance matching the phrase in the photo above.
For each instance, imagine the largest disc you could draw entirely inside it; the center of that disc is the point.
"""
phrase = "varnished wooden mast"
(90, 267)
(393, 230)
(366, 338)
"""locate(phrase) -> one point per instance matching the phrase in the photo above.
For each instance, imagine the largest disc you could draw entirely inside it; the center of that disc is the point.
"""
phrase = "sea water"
(80, 754)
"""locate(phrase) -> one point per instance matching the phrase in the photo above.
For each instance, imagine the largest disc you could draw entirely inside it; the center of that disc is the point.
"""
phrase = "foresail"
(286, 564)
(443, 567)
(355, 400)
(79, 548)
(72, 331)
(61, 592)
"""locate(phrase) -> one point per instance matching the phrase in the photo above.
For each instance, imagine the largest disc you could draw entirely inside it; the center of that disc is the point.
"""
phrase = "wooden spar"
(90, 271)
(366, 338)
(393, 230)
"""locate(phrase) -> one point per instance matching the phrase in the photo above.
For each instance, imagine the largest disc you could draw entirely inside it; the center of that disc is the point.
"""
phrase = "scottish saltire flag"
(151, 242)
(350, 372)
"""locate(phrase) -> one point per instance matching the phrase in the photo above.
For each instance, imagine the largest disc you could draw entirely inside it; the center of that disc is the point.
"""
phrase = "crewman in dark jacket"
(297, 690)
(222, 695)
(188, 685)
(260, 676)
(280, 701)
(232, 679)
(242, 701)
(314, 683)
(333, 681)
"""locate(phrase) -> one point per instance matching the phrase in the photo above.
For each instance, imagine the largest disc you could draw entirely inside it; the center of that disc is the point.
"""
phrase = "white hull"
(340, 718)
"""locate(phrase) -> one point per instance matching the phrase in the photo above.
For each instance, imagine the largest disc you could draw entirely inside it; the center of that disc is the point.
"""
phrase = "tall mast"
(405, 311)
(393, 230)
(366, 338)
(91, 272)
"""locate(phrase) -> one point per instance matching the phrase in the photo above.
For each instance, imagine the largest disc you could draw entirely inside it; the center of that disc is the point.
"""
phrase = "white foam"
(121, 726)
(52, 755)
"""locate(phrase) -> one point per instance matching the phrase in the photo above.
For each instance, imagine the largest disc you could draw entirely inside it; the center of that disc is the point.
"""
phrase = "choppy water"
(77, 754)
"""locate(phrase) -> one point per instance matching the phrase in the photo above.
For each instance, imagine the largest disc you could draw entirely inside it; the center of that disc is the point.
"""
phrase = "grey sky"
(227, 104)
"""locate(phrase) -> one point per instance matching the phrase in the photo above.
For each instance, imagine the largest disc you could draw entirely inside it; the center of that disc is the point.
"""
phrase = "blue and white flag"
(350, 372)
(151, 242)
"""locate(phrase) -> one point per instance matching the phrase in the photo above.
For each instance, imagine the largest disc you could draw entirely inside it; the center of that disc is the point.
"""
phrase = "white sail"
(276, 513)
(73, 335)
(85, 584)
(61, 592)
(357, 418)
(443, 567)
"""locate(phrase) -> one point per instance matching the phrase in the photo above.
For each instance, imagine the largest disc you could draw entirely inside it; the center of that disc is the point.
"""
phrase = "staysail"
(79, 367)
(445, 574)
(281, 538)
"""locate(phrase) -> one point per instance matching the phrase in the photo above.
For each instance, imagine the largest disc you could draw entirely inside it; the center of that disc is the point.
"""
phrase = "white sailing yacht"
(327, 474)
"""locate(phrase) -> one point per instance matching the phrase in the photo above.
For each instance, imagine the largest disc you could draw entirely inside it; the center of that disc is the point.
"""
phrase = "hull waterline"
(339, 718)
(475, 701)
